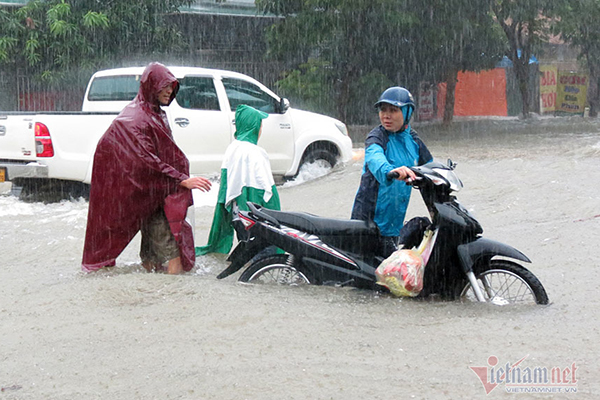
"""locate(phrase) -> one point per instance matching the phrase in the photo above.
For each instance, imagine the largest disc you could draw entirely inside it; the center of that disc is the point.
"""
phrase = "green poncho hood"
(247, 123)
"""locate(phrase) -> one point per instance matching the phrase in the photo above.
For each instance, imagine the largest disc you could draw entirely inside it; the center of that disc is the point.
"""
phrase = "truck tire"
(320, 155)
(323, 153)
(51, 190)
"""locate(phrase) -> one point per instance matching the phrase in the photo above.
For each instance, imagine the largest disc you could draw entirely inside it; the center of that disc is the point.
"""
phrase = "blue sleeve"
(378, 164)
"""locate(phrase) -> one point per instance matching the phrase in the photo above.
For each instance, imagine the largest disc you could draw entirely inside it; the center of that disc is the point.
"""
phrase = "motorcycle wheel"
(277, 270)
(504, 282)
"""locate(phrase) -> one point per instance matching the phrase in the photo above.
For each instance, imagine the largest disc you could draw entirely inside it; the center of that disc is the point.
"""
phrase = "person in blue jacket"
(392, 146)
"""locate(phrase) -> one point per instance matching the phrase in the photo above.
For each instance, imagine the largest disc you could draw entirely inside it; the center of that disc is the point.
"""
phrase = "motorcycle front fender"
(242, 253)
(481, 248)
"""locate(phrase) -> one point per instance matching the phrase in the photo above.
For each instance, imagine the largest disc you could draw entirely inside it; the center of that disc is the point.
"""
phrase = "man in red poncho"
(140, 180)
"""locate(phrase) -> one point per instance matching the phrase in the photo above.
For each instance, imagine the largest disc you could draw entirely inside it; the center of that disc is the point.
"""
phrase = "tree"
(578, 25)
(358, 47)
(526, 24)
(459, 36)
(49, 39)
(341, 43)
(60, 43)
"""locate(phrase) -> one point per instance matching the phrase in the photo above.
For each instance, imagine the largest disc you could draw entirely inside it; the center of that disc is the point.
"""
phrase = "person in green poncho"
(245, 176)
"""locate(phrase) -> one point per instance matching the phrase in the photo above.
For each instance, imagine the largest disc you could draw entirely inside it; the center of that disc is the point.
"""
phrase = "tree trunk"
(451, 80)
(593, 92)
(518, 39)
(522, 72)
(594, 98)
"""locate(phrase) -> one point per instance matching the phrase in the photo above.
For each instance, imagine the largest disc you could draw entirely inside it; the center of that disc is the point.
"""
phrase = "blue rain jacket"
(378, 199)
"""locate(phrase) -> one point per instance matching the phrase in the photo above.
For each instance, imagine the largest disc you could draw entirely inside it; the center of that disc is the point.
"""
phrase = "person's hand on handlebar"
(404, 174)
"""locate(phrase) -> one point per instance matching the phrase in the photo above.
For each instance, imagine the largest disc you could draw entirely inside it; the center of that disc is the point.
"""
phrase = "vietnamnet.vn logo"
(517, 378)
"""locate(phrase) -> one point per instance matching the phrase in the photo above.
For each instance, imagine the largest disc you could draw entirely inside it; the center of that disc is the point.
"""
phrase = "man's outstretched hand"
(197, 182)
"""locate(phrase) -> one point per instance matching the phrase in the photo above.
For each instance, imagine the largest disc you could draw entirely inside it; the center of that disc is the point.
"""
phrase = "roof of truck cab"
(178, 71)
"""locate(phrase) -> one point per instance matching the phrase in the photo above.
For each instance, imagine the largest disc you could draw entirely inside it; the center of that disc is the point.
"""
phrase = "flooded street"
(128, 334)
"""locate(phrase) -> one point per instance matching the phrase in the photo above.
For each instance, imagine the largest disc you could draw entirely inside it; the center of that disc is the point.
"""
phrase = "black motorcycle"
(299, 248)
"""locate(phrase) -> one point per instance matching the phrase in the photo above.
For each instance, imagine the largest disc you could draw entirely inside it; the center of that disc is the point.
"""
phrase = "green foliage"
(347, 38)
(62, 41)
(458, 36)
(6, 45)
(363, 95)
(31, 51)
(405, 41)
(526, 24)
(307, 86)
(94, 19)
(579, 26)
(304, 86)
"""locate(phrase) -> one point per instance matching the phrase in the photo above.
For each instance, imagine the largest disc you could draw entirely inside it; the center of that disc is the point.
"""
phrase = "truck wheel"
(52, 190)
(320, 156)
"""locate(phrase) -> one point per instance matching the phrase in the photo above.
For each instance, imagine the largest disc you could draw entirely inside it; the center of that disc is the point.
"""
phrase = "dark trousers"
(410, 236)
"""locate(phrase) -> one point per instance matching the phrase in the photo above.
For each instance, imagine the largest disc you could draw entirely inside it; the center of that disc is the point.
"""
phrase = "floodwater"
(128, 334)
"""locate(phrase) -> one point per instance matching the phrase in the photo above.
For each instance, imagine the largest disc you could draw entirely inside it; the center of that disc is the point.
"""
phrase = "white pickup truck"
(39, 150)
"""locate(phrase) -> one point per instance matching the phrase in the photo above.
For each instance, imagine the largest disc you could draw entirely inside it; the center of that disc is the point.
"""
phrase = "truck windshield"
(114, 88)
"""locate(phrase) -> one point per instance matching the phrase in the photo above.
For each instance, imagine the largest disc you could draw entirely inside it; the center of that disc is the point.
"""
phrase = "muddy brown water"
(127, 334)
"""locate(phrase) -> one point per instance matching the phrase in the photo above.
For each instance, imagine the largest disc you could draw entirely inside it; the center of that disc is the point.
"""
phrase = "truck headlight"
(342, 127)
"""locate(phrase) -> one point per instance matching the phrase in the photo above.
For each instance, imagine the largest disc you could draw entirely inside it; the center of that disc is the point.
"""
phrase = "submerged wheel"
(320, 156)
(277, 270)
(50, 190)
(504, 282)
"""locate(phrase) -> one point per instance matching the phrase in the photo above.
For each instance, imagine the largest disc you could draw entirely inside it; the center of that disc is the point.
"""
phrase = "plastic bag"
(402, 273)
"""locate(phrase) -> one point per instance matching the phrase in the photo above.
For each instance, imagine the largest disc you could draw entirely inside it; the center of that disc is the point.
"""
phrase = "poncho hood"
(155, 78)
(247, 123)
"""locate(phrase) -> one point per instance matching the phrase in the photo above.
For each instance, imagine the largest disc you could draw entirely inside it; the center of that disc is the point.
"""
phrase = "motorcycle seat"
(313, 224)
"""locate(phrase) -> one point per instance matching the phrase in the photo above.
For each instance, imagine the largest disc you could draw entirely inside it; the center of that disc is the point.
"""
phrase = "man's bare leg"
(174, 267)
(152, 267)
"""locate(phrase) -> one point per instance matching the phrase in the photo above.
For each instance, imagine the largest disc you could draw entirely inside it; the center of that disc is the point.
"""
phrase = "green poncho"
(245, 176)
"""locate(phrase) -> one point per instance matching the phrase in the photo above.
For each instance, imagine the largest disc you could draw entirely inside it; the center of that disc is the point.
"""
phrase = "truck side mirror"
(284, 105)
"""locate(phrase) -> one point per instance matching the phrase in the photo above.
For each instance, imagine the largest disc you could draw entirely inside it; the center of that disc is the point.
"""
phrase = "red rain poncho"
(137, 169)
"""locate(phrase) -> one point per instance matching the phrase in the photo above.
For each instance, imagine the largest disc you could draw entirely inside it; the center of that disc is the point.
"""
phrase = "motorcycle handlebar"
(392, 175)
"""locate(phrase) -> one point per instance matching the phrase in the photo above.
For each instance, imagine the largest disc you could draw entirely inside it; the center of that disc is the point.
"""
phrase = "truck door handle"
(182, 122)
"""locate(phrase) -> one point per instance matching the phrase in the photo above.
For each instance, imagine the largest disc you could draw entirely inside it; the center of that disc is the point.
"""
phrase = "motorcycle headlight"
(450, 176)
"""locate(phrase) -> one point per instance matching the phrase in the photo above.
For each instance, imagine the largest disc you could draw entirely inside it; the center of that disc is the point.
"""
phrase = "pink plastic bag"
(402, 273)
